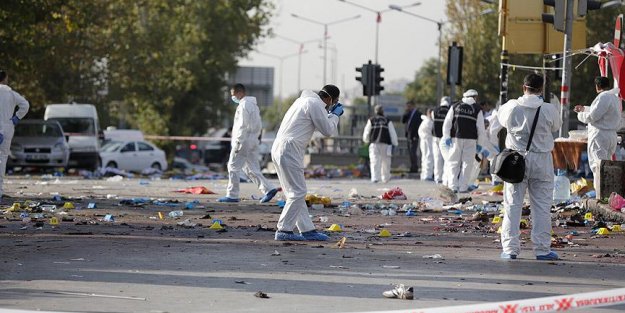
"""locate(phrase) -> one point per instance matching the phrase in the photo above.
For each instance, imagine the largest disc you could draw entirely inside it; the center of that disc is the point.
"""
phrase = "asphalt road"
(141, 263)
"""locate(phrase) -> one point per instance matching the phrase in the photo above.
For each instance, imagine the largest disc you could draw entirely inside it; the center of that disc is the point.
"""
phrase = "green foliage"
(482, 50)
(423, 89)
(272, 115)
(164, 61)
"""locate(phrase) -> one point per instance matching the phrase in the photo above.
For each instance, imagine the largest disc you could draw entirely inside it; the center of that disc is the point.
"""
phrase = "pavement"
(141, 263)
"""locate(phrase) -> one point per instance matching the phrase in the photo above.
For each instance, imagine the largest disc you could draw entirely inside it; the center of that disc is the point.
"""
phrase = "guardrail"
(321, 145)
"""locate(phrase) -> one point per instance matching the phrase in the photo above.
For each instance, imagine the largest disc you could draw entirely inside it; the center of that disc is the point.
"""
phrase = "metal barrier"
(348, 145)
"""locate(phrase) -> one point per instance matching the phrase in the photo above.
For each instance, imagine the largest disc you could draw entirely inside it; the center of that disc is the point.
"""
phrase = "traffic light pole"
(567, 71)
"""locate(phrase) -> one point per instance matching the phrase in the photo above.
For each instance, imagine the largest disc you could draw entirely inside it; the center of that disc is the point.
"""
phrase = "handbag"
(509, 165)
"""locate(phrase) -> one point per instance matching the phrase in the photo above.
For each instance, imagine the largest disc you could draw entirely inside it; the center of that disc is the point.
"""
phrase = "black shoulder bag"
(509, 164)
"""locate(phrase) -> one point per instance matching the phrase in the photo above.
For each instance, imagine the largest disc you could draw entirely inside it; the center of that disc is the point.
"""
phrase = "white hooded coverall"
(244, 155)
(380, 153)
(306, 115)
(9, 99)
(426, 141)
(517, 116)
(490, 143)
(604, 119)
(461, 158)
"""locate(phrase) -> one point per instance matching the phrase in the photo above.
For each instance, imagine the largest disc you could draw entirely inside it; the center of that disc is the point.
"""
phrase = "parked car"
(187, 167)
(39, 143)
(132, 156)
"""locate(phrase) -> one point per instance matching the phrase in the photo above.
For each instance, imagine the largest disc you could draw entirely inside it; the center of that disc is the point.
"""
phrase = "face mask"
(235, 100)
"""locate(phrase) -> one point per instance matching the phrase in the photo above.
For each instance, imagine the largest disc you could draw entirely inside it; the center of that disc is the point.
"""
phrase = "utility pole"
(566, 72)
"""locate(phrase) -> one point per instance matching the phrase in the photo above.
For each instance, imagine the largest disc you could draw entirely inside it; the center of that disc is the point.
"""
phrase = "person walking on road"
(463, 131)
(426, 130)
(603, 117)
(412, 121)
(309, 113)
(9, 99)
(438, 115)
(244, 155)
(517, 116)
(381, 136)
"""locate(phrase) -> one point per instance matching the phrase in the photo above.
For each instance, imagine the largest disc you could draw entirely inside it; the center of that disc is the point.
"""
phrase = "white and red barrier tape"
(193, 138)
(548, 304)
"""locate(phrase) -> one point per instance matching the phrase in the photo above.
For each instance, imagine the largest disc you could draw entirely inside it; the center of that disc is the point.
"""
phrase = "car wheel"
(156, 165)
(98, 163)
(111, 164)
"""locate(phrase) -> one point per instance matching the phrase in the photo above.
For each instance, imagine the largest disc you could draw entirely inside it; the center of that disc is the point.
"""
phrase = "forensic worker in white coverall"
(426, 130)
(9, 99)
(438, 116)
(463, 132)
(380, 134)
(517, 116)
(603, 117)
(309, 113)
(244, 155)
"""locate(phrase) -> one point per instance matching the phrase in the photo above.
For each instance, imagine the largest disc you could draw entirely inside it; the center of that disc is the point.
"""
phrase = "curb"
(600, 209)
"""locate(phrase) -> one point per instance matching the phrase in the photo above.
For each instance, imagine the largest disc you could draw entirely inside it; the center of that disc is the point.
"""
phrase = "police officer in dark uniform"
(412, 121)
(463, 132)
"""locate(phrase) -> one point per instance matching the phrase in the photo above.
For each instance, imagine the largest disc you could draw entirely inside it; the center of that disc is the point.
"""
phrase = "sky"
(405, 42)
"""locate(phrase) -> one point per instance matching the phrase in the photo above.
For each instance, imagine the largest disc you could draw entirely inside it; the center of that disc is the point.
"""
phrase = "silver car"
(38, 143)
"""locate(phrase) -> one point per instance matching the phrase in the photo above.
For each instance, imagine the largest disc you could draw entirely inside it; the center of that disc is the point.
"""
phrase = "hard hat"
(470, 93)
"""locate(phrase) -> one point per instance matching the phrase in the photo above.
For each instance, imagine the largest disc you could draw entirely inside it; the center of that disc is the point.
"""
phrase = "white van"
(81, 125)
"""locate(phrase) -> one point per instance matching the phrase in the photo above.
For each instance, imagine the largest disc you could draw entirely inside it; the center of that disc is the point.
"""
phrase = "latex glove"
(478, 148)
(485, 153)
(1, 138)
(337, 109)
(497, 149)
(15, 120)
(448, 142)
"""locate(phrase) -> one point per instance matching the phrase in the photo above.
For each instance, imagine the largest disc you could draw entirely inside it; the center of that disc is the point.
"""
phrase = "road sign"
(523, 31)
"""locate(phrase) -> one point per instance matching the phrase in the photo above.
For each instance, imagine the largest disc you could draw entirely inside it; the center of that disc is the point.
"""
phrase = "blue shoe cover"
(508, 256)
(551, 256)
(227, 199)
(288, 236)
(269, 195)
(472, 187)
(313, 235)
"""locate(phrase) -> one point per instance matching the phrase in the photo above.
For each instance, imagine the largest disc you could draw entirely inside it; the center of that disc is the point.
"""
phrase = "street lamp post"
(281, 59)
(439, 24)
(378, 20)
(325, 36)
(299, 61)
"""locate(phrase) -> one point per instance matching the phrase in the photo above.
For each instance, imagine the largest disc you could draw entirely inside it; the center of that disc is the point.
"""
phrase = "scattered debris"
(261, 295)
(200, 190)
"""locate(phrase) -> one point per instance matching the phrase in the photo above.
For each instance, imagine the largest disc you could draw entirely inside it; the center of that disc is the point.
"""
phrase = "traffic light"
(558, 17)
(377, 79)
(365, 72)
(587, 5)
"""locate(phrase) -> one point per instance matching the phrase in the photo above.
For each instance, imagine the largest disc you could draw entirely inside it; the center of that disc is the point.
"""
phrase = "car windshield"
(112, 146)
(77, 125)
(38, 130)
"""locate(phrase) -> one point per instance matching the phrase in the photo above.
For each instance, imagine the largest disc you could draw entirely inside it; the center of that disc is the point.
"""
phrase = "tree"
(163, 61)
(482, 50)
(423, 88)
(272, 115)
(477, 34)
